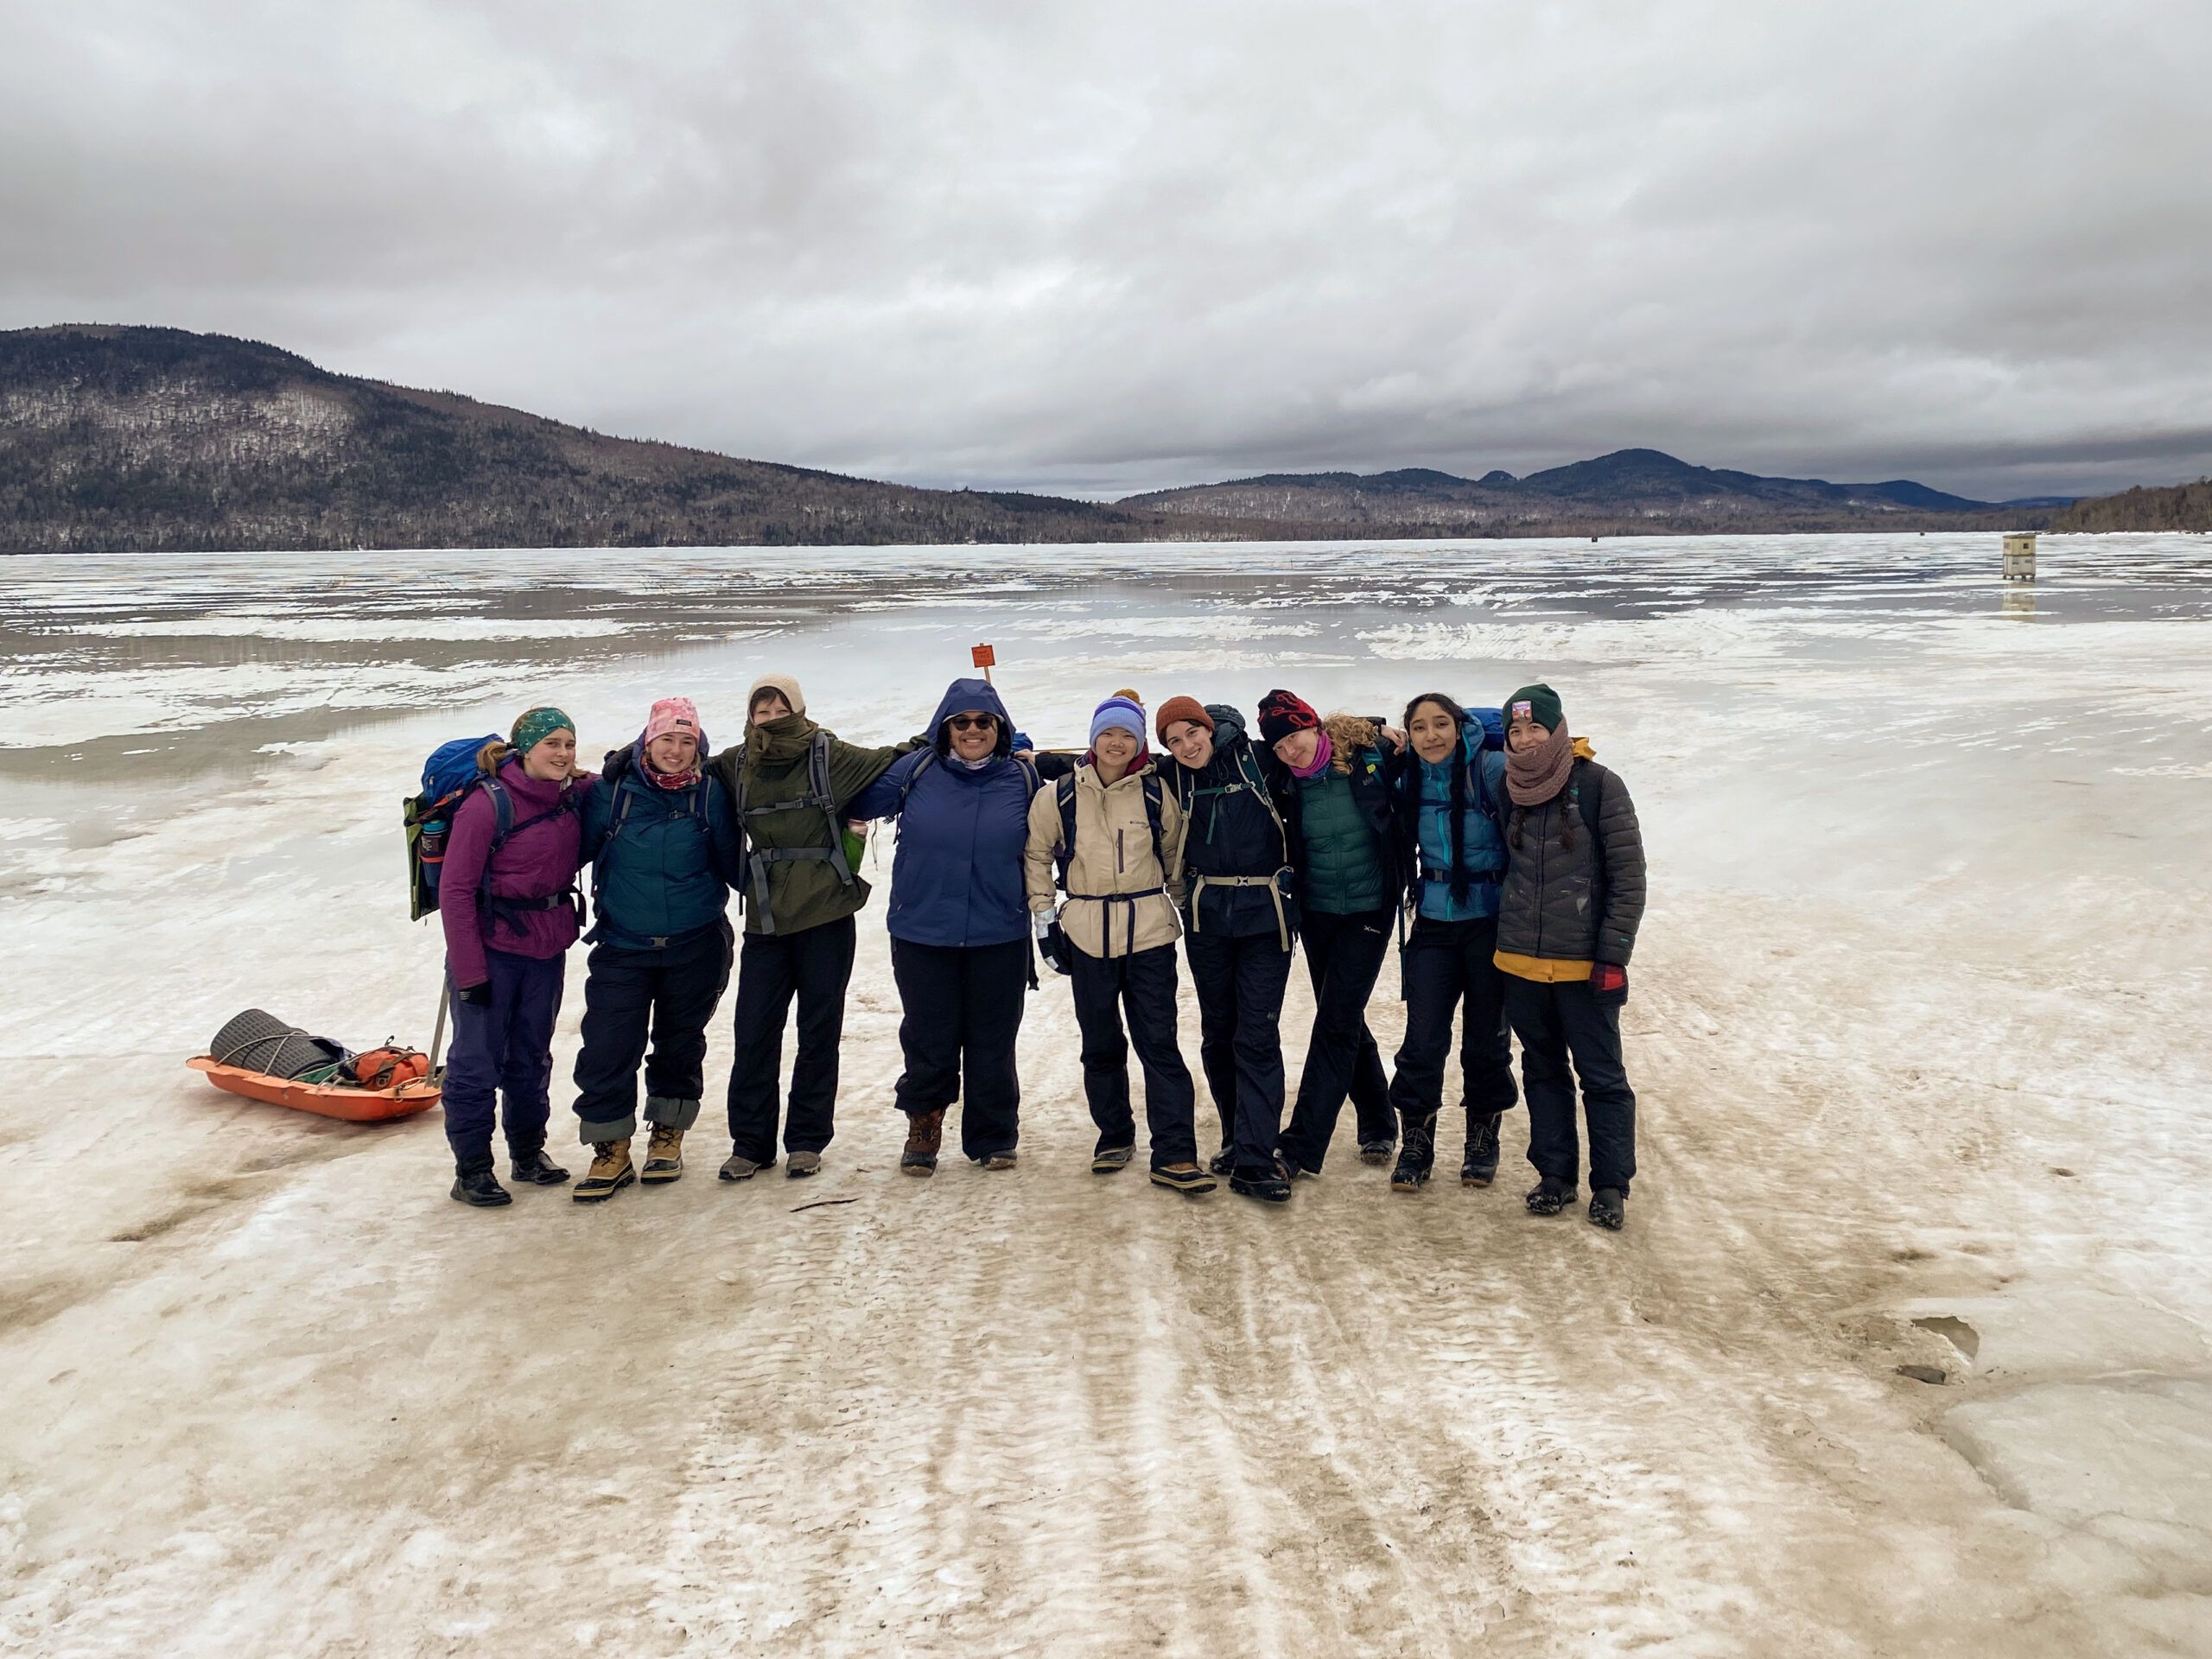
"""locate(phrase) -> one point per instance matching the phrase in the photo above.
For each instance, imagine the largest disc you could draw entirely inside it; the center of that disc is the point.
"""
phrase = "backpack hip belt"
(1128, 902)
(1272, 883)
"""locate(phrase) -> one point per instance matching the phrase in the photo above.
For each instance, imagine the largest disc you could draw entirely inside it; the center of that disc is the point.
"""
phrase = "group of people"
(1492, 843)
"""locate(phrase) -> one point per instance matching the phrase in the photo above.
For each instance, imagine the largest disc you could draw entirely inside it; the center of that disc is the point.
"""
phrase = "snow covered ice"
(1917, 1028)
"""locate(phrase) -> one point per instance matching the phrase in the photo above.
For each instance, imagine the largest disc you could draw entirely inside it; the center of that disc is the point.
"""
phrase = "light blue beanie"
(1125, 712)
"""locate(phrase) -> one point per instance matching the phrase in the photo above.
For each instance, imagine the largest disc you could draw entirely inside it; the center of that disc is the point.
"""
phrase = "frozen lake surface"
(1917, 1030)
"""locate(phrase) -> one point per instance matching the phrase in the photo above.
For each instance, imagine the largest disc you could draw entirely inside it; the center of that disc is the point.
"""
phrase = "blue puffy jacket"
(1482, 846)
(662, 859)
(956, 878)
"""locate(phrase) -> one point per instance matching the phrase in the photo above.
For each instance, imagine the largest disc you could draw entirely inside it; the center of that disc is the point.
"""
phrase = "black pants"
(668, 994)
(1343, 954)
(1446, 963)
(1553, 1022)
(964, 1011)
(1240, 983)
(1144, 986)
(815, 964)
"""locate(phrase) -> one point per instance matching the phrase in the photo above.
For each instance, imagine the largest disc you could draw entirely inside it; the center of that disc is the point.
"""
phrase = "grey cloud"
(1105, 249)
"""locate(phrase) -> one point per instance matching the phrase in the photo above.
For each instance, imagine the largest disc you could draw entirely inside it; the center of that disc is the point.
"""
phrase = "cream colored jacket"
(1112, 854)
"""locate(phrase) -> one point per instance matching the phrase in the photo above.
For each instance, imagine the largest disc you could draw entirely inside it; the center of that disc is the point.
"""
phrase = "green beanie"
(535, 726)
(1542, 706)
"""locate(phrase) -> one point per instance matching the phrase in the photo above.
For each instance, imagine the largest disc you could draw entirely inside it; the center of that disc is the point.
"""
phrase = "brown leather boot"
(664, 1156)
(611, 1170)
(924, 1135)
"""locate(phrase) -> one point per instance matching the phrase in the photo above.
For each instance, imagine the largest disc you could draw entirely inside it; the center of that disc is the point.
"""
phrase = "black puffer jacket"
(1571, 897)
(1232, 827)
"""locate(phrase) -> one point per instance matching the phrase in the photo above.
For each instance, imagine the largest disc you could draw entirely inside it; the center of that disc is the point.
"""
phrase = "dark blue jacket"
(956, 878)
(662, 859)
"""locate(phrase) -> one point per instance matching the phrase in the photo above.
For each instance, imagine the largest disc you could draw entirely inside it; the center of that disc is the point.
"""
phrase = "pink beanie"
(672, 714)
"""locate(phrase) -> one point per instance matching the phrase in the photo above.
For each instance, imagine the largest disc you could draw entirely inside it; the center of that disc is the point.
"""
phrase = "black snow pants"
(963, 1007)
(814, 964)
(1343, 956)
(1240, 982)
(1143, 985)
(1555, 1022)
(667, 994)
(1445, 964)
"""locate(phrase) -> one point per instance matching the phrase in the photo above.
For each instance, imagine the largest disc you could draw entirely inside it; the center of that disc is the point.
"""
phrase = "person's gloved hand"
(1608, 984)
(1051, 944)
(477, 997)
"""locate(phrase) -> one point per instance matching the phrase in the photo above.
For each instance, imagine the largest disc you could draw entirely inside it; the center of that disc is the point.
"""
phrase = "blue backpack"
(448, 777)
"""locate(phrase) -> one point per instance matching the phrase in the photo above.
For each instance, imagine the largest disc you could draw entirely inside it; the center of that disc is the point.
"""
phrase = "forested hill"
(1632, 492)
(2178, 506)
(122, 439)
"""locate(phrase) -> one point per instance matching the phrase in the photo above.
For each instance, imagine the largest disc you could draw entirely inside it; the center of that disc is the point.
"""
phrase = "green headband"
(534, 727)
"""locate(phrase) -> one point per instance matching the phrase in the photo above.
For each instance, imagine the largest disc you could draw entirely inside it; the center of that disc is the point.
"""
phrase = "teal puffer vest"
(1344, 866)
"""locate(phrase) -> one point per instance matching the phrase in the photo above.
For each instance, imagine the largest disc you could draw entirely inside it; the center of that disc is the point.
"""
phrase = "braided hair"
(1410, 782)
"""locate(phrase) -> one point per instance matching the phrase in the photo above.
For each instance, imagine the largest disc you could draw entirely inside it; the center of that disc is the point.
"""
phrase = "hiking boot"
(739, 1167)
(1608, 1209)
(1548, 1196)
(532, 1168)
(1111, 1160)
(799, 1166)
(1376, 1152)
(1417, 1158)
(924, 1135)
(481, 1188)
(1266, 1183)
(664, 1156)
(1479, 1168)
(610, 1171)
(1183, 1178)
(1000, 1159)
(1223, 1162)
(1412, 1172)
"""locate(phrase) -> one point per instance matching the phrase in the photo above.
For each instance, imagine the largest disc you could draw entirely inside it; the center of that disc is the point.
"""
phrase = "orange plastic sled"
(354, 1105)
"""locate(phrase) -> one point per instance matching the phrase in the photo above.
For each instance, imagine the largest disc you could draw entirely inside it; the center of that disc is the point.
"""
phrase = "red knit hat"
(1281, 714)
(1181, 709)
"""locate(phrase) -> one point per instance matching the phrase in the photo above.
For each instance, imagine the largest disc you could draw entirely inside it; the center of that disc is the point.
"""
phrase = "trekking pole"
(438, 1031)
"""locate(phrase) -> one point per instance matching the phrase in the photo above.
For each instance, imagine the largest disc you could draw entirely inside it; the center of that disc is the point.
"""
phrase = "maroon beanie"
(1281, 714)
(1176, 708)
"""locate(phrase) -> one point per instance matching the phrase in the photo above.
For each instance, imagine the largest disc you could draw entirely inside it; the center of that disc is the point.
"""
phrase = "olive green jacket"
(769, 777)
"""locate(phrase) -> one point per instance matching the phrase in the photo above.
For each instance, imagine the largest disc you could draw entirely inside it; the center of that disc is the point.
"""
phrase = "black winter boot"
(1265, 1182)
(533, 1169)
(1608, 1209)
(481, 1188)
(1416, 1156)
(1479, 1168)
(1548, 1196)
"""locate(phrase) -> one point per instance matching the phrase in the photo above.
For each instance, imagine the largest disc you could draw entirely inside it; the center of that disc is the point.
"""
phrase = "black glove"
(477, 997)
(1051, 944)
(1608, 984)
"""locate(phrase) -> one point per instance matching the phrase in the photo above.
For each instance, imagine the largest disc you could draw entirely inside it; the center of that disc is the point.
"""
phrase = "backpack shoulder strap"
(906, 784)
(1589, 794)
(818, 775)
(1153, 791)
(503, 809)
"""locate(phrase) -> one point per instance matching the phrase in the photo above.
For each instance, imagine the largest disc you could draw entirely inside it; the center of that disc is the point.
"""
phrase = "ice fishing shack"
(2020, 556)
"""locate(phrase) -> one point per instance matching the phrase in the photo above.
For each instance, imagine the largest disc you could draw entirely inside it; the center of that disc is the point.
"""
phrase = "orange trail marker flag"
(986, 658)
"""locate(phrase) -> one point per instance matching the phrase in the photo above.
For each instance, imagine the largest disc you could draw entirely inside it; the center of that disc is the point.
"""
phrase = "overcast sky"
(1106, 247)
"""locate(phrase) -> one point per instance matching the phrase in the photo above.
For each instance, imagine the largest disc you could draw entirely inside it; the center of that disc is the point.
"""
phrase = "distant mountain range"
(136, 439)
(1634, 490)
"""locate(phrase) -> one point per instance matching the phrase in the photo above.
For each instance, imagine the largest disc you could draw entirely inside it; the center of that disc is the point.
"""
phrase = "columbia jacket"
(956, 878)
(663, 860)
(1120, 899)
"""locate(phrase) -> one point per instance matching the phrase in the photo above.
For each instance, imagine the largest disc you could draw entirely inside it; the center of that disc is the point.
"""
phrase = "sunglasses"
(974, 722)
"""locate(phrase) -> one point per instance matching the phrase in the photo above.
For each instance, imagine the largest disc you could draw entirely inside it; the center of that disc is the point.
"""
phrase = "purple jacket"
(534, 862)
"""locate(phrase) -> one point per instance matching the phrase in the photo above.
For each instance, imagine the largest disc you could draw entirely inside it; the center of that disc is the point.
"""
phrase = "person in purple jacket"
(511, 911)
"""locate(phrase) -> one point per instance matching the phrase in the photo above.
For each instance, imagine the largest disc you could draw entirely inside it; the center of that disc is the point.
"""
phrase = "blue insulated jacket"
(957, 877)
(661, 858)
(1482, 846)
